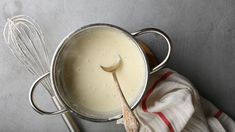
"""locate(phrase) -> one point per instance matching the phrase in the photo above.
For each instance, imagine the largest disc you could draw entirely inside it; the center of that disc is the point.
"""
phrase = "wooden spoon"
(130, 122)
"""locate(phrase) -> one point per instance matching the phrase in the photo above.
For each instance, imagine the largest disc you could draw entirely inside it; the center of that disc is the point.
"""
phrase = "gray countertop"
(202, 32)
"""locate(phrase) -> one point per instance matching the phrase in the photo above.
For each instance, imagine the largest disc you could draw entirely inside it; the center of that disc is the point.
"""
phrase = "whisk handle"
(68, 118)
(32, 102)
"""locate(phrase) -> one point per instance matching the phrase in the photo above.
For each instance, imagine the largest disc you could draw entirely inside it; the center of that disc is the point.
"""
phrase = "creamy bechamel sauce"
(93, 89)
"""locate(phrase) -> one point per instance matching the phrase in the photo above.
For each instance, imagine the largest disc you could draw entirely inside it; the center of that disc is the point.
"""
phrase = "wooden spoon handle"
(130, 122)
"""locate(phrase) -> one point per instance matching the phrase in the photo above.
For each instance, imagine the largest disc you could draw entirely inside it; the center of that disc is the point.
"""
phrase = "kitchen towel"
(172, 104)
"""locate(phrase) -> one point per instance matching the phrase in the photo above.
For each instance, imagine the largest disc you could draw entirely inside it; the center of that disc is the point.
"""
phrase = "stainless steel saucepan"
(56, 69)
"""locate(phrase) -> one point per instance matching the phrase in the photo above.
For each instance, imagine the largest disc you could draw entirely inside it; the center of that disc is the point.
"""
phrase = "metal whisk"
(26, 41)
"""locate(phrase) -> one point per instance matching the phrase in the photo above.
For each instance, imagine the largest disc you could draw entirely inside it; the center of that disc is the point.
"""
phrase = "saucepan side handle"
(164, 35)
(32, 101)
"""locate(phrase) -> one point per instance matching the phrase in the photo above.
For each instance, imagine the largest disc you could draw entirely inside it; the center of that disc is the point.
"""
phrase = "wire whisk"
(26, 41)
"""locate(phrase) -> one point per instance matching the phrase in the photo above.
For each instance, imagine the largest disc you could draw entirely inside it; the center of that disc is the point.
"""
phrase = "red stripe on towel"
(165, 120)
(163, 77)
(149, 92)
(218, 114)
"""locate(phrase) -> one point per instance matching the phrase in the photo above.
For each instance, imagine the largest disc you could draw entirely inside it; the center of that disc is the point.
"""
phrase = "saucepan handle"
(164, 35)
(67, 117)
(32, 102)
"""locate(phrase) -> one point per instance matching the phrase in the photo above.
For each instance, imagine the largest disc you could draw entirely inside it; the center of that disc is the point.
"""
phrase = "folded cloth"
(172, 104)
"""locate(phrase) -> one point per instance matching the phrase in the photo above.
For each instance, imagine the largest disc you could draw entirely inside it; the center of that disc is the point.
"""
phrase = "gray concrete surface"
(202, 32)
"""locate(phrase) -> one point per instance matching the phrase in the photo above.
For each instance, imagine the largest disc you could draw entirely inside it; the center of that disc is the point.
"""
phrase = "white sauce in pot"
(93, 89)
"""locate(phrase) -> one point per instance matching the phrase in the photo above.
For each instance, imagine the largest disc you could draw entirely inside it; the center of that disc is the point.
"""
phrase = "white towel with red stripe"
(171, 104)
